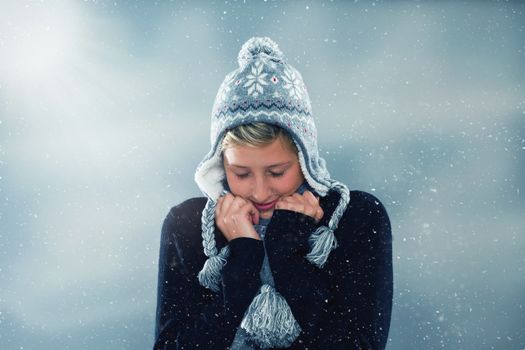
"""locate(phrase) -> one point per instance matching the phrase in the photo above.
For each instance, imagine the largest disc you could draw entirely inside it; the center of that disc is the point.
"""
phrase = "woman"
(278, 254)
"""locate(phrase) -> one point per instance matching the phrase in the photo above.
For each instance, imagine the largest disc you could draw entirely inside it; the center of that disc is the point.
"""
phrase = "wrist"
(246, 254)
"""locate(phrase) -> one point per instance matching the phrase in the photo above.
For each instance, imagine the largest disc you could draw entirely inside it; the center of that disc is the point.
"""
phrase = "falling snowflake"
(255, 81)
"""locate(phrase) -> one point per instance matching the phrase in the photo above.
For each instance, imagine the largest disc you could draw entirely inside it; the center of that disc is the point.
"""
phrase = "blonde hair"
(257, 135)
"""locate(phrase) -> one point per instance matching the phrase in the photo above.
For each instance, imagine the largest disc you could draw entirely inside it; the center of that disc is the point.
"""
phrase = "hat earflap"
(323, 240)
(210, 275)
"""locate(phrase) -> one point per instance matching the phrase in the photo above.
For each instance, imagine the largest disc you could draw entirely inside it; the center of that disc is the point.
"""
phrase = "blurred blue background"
(104, 116)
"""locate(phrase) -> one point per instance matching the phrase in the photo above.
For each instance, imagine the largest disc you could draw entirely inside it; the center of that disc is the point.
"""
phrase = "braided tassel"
(210, 275)
(323, 240)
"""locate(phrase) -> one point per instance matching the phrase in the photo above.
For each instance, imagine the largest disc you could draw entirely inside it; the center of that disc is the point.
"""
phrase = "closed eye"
(243, 176)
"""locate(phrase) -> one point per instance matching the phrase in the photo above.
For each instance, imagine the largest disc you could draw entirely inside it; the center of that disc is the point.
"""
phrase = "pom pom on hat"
(257, 46)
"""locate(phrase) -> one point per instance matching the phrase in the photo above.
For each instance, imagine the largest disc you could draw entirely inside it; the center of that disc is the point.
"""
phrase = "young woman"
(278, 254)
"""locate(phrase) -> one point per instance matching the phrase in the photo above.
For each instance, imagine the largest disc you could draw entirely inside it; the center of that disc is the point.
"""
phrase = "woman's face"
(262, 175)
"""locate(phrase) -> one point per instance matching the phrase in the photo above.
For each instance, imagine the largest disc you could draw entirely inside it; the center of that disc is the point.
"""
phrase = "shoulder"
(362, 205)
(186, 215)
(187, 212)
(365, 204)
(365, 216)
(181, 230)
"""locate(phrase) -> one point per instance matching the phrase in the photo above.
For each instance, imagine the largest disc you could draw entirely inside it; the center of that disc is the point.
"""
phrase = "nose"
(261, 192)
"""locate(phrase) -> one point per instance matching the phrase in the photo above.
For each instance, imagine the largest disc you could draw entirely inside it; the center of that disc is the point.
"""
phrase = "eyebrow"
(269, 166)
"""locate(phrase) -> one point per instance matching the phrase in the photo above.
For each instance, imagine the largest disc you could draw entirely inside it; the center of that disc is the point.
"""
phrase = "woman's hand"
(235, 217)
(307, 204)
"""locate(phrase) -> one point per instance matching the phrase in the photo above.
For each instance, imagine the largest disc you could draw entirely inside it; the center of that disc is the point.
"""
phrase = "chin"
(266, 214)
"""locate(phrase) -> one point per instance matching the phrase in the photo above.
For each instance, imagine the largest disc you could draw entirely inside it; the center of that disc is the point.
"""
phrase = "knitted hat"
(265, 88)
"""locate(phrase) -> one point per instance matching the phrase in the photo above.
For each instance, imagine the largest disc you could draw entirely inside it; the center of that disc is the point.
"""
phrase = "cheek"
(289, 183)
(232, 182)
(237, 186)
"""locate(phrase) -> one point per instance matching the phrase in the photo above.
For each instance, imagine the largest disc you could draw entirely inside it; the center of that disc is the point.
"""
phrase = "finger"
(319, 214)
(243, 207)
(244, 214)
(227, 201)
(285, 198)
(280, 202)
(314, 202)
(310, 210)
(293, 198)
(311, 194)
(254, 213)
(314, 212)
(311, 198)
(297, 196)
(305, 202)
(218, 206)
(294, 202)
(283, 202)
(234, 209)
(246, 209)
(297, 207)
(237, 203)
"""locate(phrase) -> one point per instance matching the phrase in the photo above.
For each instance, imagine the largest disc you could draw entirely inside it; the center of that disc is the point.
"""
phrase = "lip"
(266, 206)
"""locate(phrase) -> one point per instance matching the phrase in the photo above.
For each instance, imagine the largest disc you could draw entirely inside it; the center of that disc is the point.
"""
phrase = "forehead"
(264, 156)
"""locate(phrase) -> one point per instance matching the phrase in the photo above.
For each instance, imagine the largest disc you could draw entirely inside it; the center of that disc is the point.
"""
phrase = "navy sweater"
(344, 305)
